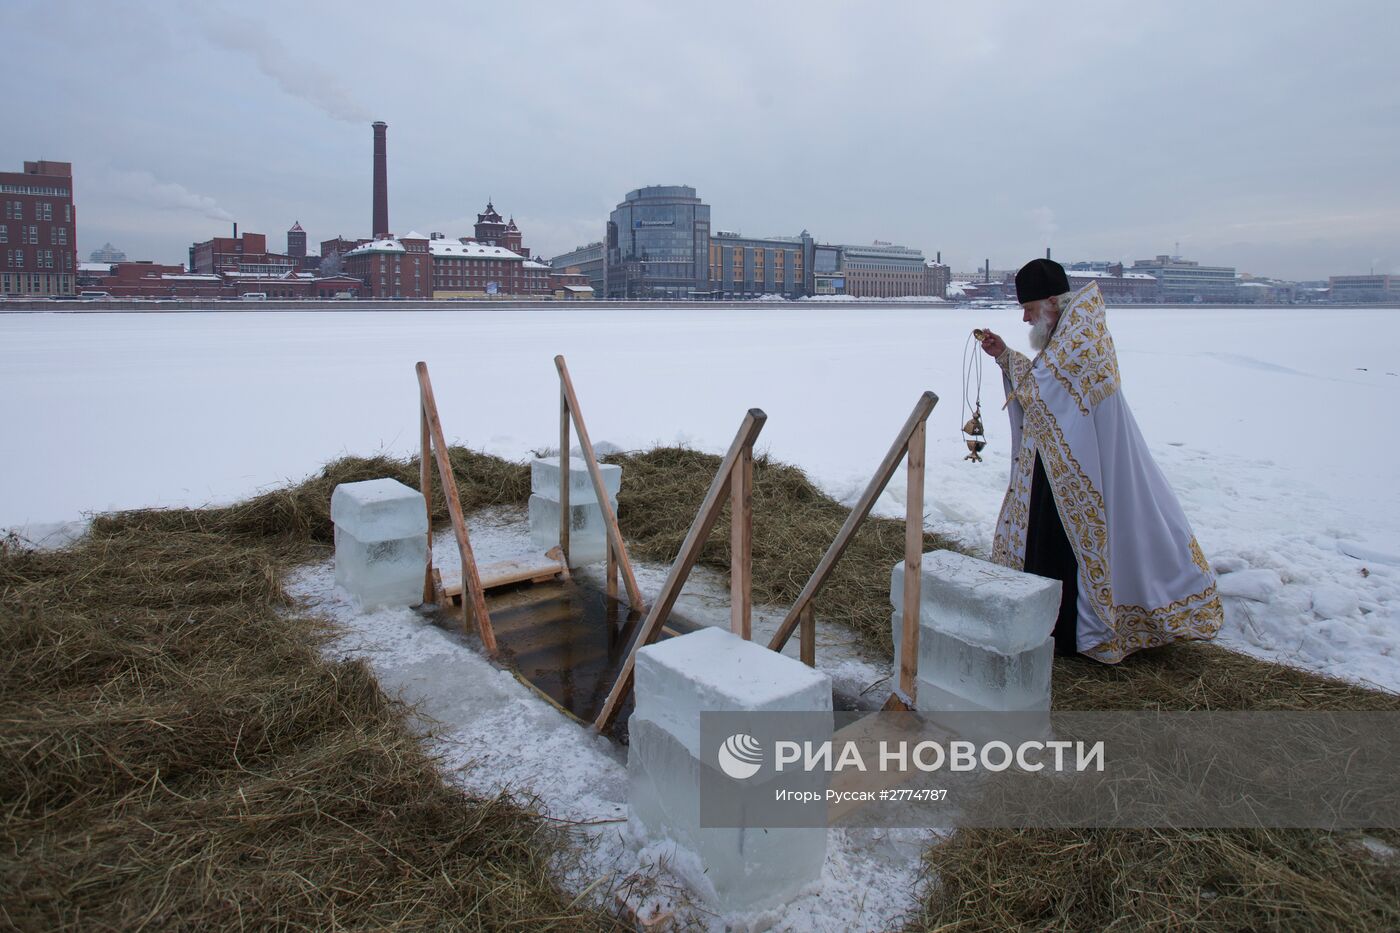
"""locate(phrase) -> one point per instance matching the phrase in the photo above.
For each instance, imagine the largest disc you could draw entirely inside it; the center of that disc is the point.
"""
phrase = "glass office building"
(658, 244)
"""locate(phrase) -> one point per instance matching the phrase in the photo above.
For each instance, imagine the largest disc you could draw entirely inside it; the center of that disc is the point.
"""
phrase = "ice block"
(980, 602)
(381, 543)
(715, 670)
(733, 869)
(588, 536)
(544, 480)
(988, 678)
(676, 680)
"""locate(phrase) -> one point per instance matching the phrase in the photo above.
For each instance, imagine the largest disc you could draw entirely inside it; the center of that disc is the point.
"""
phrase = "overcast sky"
(1260, 135)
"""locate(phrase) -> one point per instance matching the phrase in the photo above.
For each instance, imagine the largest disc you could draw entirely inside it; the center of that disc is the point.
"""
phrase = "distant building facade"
(437, 267)
(1186, 281)
(108, 253)
(296, 241)
(392, 268)
(589, 260)
(38, 230)
(884, 270)
(155, 281)
(936, 279)
(1364, 288)
(246, 253)
(472, 269)
(492, 230)
(747, 267)
(570, 285)
(1116, 285)
(827, 277)
(657, 244)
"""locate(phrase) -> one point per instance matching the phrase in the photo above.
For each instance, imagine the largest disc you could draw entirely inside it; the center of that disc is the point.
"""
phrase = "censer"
(976, 438)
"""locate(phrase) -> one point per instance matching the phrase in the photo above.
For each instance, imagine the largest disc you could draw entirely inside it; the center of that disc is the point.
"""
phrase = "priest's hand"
(993, 345)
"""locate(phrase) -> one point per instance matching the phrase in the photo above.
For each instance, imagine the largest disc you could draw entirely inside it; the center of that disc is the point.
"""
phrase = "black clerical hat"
(1040, 278)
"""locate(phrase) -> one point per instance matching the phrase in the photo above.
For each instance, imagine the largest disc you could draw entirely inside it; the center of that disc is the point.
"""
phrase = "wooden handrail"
(913, 570)
(859, 513)
(741, 546)
(616, 548)
(473, 600)
(425, 485)
(695, 538)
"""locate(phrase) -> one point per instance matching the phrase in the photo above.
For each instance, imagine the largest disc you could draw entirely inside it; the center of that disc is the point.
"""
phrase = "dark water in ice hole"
(569, 640)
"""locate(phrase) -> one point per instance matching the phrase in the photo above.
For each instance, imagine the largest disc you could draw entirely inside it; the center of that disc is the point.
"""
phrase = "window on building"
(68, 213)
(4, 233)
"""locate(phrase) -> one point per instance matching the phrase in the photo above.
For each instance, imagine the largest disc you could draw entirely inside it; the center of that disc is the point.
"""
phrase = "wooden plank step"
(527, 569)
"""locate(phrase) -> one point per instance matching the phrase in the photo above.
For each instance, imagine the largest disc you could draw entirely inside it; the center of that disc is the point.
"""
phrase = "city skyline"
(1260, 142)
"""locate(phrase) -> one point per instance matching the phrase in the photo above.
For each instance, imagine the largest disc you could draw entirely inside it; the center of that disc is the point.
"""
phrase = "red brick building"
(296, 241)
(463, 269)
(38, 230)
(493, 231)
(340, 246)
(393, 268)
(247, 253)
(570, 285)
(151, 280)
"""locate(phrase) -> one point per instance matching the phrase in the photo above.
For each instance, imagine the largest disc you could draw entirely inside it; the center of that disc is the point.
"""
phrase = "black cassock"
(1049, 554)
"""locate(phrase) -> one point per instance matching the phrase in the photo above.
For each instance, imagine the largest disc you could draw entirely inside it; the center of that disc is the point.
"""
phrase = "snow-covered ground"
(1277, 427)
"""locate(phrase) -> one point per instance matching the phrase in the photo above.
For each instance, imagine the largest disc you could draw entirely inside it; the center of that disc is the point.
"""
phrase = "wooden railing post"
(741, 546)
(612, 573)
(425, 485)
(807, 638)
(614, 534)
(695, 538)
(564, 474)
(473, 600)
(859, 513)
(913, 565)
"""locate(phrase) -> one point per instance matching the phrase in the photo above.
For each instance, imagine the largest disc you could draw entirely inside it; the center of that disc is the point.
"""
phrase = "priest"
(1087, 504)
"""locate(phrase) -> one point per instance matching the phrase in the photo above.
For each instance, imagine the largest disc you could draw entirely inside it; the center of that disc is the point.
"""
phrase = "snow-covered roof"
(472, 250)
(578, 288)
(191, 277)
(94, 267)
(378, 246)
(531, 264)
(1090, 274)
(413, 235)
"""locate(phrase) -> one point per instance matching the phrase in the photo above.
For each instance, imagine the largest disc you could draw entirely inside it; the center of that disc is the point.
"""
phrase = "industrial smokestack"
(380, 227)
(1047, 252)
(987, 270)
(235, 230)
(939, 258)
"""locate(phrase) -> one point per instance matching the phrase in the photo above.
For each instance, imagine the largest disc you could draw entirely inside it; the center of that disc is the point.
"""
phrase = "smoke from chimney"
(380, 227)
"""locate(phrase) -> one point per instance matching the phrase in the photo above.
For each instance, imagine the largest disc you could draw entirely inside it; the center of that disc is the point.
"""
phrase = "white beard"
(1041, 331)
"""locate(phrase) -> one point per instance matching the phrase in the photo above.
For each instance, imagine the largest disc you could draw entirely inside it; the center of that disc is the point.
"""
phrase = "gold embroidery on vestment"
(1089, 373)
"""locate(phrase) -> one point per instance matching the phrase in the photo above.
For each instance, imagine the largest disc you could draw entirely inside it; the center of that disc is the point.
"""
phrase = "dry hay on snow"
(176, 752)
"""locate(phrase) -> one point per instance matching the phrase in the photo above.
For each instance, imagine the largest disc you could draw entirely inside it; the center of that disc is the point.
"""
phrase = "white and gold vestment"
(1143, 580)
